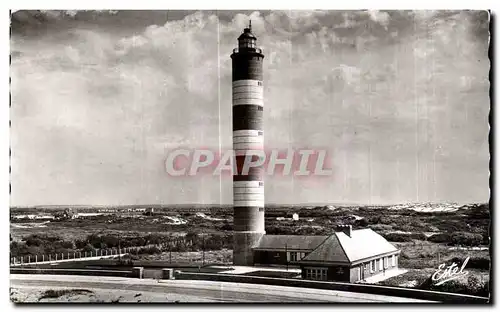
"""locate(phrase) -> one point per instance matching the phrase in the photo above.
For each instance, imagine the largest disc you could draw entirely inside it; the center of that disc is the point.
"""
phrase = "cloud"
(379, 17)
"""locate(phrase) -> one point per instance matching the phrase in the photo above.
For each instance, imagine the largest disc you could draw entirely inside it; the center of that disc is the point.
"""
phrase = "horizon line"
(229, 205)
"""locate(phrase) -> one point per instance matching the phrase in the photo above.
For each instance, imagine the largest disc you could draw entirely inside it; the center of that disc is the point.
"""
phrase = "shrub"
(440, 238)
(418, 236)
(361, 223)
(88, 248)
(227, 226)
(466, 239)
(397, 237)
(149, 250)
(58, 293)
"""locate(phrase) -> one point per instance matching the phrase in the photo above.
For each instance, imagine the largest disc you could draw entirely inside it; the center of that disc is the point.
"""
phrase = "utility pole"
(286, 256)
(170, 251)
(203, 249)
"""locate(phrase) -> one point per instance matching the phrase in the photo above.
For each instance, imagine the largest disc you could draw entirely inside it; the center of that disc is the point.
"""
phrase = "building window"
(259, 83)
(380, 265)
(386, 262)
(247, 43)
(293, 256)
(373, 266)
(367, 266)
(393, 260)
(319, 274)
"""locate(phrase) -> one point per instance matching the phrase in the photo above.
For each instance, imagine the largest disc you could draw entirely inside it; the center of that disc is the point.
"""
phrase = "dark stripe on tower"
(247, 65)
(247, 117)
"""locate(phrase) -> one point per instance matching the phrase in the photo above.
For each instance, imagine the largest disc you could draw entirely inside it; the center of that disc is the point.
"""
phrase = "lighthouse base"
(242, 247)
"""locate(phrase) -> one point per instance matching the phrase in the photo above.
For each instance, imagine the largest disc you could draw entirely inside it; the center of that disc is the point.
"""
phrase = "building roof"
(339, 247)
(292, 242)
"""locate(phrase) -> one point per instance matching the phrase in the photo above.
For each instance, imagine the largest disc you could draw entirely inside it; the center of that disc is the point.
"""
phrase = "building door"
(361, 273)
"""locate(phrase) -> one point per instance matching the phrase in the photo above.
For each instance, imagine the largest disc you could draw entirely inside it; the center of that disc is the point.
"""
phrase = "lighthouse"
(248, 134)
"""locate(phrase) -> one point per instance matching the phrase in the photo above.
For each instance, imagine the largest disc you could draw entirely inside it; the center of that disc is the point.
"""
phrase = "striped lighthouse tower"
(248, 134)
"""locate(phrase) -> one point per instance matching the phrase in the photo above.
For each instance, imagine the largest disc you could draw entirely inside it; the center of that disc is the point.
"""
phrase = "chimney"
(347, 229)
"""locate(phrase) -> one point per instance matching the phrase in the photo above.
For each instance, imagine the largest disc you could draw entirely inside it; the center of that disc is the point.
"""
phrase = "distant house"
(347, 255)
(350, 256)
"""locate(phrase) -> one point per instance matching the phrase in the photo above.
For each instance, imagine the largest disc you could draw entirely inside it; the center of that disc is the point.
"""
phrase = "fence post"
(36, 258)
(29, 259)
(56, 257)
(50, 258)
(43, 258)
(62, 255)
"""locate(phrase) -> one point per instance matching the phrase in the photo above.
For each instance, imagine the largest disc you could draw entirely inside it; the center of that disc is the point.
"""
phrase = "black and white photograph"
(250, 156)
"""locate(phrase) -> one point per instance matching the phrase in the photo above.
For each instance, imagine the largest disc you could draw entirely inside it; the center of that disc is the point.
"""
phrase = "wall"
(74, 272)
(270, 257)
(369, 272)
(357, 288)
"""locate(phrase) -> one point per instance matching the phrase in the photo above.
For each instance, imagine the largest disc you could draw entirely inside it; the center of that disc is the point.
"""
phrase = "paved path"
(204, 290)
(383, 276)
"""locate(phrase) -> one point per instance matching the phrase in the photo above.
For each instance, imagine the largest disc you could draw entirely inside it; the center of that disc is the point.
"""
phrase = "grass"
(424, 254)
(51, 293)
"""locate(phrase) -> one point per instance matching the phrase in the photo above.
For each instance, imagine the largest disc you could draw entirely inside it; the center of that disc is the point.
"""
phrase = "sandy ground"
(31, 294)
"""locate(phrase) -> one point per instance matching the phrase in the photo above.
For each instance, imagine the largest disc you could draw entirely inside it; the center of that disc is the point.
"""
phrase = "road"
(203, 290)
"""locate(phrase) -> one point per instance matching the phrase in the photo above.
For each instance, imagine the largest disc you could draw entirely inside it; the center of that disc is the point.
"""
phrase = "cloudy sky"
(399, 98)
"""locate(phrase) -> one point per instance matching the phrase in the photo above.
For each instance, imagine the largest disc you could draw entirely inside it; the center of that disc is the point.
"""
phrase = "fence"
(76, 255)
(183, 257)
